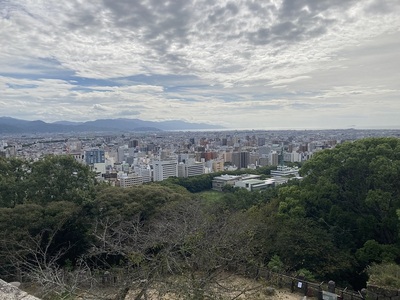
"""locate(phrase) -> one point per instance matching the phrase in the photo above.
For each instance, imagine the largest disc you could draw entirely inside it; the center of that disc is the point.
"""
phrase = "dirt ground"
(229, 288)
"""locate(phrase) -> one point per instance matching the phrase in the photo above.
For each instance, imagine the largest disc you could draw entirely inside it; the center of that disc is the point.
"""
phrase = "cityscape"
(197, 149)
(126, 159)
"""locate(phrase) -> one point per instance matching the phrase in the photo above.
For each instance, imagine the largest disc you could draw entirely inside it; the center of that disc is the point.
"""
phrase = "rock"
(11, 292)
(15, 283)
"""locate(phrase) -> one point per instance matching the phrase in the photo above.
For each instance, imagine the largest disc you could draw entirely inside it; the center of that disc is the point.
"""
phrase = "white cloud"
(231, 62)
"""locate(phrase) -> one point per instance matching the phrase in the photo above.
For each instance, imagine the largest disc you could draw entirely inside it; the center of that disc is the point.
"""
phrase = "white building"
(163, 169)
(145, 172)
(188, 170)
(219, 182)
(255, 184)
(130, 180)
(283, 171)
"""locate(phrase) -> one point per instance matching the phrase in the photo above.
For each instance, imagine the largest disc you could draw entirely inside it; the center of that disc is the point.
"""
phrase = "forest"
(57, 222)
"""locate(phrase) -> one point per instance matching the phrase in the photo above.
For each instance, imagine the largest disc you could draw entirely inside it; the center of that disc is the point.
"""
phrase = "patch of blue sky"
(162, 80)
(21, 86)
(92, 82)
(185, 99)
(185, 88)
(283, 95)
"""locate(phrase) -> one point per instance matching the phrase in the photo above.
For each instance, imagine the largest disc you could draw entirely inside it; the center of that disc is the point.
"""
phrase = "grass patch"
(210, 197)
(385, 275)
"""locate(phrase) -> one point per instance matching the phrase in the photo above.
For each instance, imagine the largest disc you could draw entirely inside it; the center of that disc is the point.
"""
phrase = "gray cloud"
(199, 58)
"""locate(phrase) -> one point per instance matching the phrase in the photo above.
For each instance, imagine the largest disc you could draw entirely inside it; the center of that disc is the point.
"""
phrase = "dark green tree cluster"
(351, 193)
(43, 208)
(193, 184)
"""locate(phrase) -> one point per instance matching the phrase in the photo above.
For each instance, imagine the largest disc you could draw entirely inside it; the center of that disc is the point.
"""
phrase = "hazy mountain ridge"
(12, 125)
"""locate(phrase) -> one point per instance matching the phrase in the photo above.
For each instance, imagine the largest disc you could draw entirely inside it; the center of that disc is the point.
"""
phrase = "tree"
(36, 241)
(13, 181)
(60, 178)
(182, 246)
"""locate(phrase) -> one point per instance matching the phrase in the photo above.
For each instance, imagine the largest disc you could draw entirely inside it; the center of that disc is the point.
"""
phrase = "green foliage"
(142, 201)
(306, 274)
(53, 178)
(43, 211)
(45, 231)
(385, 275)
(372, 251)
(60, 178)
(276, 264)
(302, 243)
(355, 186)
(242, 199)
(194, 184)
(13, 183)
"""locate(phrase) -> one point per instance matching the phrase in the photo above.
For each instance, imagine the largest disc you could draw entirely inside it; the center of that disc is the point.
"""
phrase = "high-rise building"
(241, 159)
(273, 158)
(121, 154)
(94, 156)
(163, 169)
(133, 143)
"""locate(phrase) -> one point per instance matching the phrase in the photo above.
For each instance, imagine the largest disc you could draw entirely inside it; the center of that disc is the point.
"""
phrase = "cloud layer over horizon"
(239, 64)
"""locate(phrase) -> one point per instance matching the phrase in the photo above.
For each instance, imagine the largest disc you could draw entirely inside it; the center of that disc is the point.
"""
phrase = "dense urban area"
(128, 159)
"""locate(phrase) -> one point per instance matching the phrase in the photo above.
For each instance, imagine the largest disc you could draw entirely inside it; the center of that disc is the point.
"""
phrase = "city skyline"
(239, 64)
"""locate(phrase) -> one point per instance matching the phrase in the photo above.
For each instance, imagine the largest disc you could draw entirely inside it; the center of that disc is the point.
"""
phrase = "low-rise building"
(219, 182)
(284, 171)
(255, 184)
(130, 180)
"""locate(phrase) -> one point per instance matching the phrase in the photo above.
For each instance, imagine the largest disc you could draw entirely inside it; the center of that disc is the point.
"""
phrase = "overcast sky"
(241, 64)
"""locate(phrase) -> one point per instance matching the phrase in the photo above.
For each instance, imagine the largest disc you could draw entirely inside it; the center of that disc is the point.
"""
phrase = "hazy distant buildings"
(261, 141)
(133, 143)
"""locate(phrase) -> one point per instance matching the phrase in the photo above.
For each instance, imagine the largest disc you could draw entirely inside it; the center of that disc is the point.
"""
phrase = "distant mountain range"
(11, 125)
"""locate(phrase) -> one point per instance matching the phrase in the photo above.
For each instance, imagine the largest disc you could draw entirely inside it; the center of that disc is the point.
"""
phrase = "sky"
(242, 64)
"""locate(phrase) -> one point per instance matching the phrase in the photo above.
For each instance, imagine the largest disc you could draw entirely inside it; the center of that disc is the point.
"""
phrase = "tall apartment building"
(273, 158)
(163, 169)
(241, 159)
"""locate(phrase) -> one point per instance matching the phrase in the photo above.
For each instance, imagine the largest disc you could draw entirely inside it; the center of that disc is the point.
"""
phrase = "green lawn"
(211, 196)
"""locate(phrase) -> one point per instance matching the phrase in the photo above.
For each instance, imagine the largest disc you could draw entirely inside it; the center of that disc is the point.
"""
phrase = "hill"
(11, 125)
